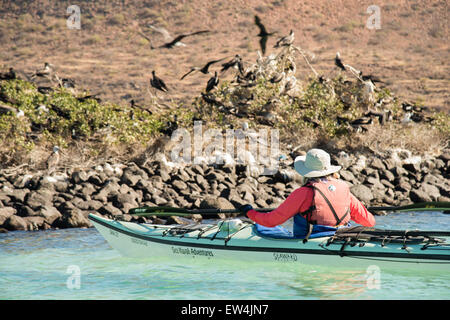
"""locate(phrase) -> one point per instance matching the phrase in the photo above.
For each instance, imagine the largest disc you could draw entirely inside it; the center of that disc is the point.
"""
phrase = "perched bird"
(134, 105)
(277, 77)
(285, 41)
(45, 90)
(235, 62)
(211, 100)
(406, 106)
(338, 61)
(290, 83)
(53, 160)
(370, 77)
(212, 82)
(44, 72)
(67, 83)
(171, 126)
(10, 75)
(203, 69)
(158, 83)
(362, 121)
(172, 42)
(263, 34)
(90, 96)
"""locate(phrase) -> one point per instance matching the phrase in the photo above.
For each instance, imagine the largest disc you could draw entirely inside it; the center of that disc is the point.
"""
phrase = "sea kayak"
(245, 241)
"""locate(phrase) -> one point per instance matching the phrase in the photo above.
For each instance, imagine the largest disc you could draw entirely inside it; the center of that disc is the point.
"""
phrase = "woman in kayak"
(323, 200)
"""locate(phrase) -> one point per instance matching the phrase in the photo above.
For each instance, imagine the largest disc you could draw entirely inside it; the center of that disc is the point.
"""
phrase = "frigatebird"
(172, 42)
(236, 61)
(338, 61)
(263, 34)
(203, 69)
(10, 75)
(370, 77)
(285, 41)
(44, 72)
(212, 82)
(158, 83)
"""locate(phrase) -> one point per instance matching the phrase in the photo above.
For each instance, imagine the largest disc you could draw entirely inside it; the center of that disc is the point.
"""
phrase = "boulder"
(419, 196)
(109, 210)
(49, 213)
(180, 185)
(362, 192)
(431, 191)
(36, 200)
(79, 177)
(35, 222)
(377, 164)
(15, 223)
(74, 219)
(216, 203)
(5, 213)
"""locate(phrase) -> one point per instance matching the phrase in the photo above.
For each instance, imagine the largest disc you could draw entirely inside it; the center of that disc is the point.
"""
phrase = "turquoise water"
(79, 264)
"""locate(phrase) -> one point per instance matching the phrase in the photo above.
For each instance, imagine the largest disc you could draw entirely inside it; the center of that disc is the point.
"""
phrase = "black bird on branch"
(158, 83)
(263, 34)
(338, 61)
(235, 62)
(91, 96)
(285, 41)
(10, 75)
(170, 126)
(212, 82)
(370, 77)
(203, 69)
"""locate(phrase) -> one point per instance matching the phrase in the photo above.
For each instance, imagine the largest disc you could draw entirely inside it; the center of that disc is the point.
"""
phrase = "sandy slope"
(107, 55)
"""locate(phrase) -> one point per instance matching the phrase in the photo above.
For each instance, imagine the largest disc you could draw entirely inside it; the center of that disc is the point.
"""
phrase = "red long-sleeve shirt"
(299, 201)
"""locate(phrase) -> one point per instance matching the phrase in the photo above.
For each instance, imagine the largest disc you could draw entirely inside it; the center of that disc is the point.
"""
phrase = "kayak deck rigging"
(347, 237)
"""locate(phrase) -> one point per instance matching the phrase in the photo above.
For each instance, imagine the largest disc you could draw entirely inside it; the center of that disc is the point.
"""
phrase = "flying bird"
(158, 83)
(203, 69)
(212, 82)
(172, 42)
(285, 41)
(53, 160)
(338, 61)
(147, 38)
(263, 34)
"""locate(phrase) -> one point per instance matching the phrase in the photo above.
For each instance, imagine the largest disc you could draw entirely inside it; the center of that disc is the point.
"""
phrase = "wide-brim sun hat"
(315, 164)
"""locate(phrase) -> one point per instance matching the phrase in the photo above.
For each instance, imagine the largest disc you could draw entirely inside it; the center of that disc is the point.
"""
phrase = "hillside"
(410, 52)
(111, 56)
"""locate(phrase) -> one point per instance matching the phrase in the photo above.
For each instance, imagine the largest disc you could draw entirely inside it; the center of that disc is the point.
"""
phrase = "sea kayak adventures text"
(192, 251)
(227, 147)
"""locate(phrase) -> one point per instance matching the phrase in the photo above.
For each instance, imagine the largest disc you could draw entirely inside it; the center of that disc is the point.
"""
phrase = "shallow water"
(79, 264)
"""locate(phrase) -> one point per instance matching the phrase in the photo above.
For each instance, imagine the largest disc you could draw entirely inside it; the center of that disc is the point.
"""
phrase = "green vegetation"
(61, 117)
(315, 110)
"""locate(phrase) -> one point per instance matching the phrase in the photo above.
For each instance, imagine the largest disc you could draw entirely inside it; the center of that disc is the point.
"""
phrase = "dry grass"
(417, 137)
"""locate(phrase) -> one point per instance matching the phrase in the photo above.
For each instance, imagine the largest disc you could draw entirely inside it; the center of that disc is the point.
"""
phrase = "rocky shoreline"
(38, 202)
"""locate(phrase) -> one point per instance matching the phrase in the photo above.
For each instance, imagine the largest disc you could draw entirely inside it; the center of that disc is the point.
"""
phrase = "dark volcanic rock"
(362, 192)
(15, 223)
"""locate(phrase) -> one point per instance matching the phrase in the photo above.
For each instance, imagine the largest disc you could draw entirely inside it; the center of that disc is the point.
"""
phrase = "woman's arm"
(298, 201)
(359, 213)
